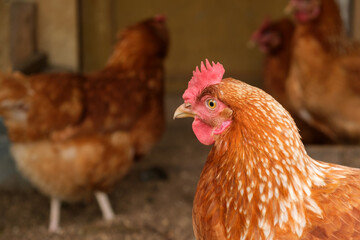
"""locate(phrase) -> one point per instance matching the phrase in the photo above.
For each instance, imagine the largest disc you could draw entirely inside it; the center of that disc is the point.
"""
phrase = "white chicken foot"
(54, 215)
(105, 206)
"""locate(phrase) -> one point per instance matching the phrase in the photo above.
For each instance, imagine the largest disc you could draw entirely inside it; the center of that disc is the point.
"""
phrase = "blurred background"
(78, 35)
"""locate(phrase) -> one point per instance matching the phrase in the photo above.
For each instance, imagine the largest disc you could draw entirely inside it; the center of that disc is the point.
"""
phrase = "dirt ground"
(153, 202)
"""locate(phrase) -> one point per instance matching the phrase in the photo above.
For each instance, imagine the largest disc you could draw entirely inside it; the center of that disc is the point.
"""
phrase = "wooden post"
(22, 32)
(97, 34)
(356, 19)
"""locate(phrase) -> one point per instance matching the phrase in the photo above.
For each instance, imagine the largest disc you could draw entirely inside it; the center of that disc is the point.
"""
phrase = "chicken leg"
(102, 199)
(105, 206)
(54, 215)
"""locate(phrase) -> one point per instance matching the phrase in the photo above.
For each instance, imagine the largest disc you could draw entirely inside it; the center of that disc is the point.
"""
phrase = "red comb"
(209, 75)
(160, 18)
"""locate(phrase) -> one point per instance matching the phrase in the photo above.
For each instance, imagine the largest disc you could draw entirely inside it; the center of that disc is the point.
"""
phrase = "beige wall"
(218, 30)
(57, 32)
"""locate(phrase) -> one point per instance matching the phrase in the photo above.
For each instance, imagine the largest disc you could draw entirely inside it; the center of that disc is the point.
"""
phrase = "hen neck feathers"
(264, 170)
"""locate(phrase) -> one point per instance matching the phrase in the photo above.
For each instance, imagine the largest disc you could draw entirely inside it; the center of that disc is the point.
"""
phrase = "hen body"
(258, 181)
(73, 135)
(324, 80)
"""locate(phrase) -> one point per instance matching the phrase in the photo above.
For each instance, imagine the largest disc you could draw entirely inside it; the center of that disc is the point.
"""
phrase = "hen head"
(304, 10)
(268, 38)
(220, 106)
(150, 37)
(211, 115)
(142, 41)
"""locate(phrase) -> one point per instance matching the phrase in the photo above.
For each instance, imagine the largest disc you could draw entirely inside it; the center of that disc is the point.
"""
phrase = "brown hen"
(73, 135)
(274, 39)
(324, 80)
(258, 181)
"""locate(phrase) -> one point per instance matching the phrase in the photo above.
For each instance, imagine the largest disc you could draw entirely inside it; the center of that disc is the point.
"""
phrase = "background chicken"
(324, 79)
(274, 39)
(73, 135)
(258, 181)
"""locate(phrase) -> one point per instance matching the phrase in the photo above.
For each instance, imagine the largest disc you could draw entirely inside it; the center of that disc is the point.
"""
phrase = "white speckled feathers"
(258, 181)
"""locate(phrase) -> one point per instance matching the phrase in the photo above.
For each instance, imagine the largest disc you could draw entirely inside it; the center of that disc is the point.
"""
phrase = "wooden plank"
(97, 33)
(356, 19)
(345, 10)
(5, 64)
(22, 32)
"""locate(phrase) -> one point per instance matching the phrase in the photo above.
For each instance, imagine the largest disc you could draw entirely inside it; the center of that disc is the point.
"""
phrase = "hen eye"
(211, 103)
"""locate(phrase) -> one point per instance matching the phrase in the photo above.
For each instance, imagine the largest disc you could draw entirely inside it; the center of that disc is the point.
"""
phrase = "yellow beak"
(184, 111)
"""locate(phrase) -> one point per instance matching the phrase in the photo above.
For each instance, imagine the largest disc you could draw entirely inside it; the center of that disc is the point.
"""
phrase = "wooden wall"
(79, 34)
(356, 19)
(57, 32)
(218, 30)
(4, 35)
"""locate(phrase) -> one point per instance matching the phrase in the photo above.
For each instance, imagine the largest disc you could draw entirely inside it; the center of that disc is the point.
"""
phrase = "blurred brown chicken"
(274, 39)
(324, 79)
(74, 135)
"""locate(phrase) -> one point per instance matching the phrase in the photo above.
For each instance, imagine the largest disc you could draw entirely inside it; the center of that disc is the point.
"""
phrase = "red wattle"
(203, 132)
